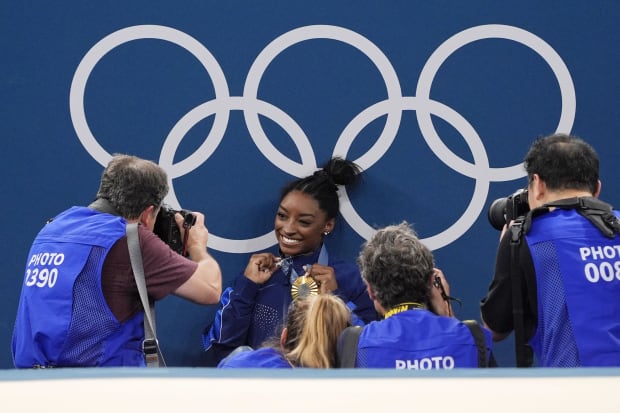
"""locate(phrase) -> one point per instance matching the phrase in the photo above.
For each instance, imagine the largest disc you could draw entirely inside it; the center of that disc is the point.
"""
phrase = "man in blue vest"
(562, 277)
(79, 304)
(417, 330)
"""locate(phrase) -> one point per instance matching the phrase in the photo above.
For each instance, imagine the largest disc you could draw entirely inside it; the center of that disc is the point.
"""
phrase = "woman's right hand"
(261, 267)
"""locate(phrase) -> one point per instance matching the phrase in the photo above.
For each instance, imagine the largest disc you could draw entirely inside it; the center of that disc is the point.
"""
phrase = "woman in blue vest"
(253, 309)
(401, 277)
(308, 340)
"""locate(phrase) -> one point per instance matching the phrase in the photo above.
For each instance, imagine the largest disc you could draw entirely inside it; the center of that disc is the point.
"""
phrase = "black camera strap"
(522, 350)
(599, 213)
(105, 206)
(188, 222)
(478, 334)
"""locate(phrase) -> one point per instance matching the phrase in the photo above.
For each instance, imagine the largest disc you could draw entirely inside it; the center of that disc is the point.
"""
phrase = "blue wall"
(438, 101)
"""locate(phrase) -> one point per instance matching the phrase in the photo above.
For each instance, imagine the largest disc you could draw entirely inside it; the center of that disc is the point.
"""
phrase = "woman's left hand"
(325, 277)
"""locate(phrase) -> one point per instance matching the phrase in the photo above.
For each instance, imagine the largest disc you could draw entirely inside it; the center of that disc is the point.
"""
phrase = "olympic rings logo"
(392, 107)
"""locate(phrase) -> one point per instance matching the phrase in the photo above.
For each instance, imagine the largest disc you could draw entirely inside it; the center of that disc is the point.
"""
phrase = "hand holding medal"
(317, 279)
(304, 285)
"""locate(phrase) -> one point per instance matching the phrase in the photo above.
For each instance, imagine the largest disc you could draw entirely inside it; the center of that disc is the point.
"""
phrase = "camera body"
(504, 210)
(167, 229)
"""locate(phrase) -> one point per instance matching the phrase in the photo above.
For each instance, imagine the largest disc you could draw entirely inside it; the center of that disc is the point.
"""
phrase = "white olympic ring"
(461, 125)
(96, 53)
(463, 38)
(392, 106)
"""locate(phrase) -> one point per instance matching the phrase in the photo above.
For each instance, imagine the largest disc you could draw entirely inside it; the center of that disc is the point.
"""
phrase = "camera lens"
(497, 213)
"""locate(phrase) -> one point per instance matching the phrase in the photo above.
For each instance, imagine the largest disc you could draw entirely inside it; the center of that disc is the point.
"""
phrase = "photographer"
(80, 304)
(417, 331)
(556, 279)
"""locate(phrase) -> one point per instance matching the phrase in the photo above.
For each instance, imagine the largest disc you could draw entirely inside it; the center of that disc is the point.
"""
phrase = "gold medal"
(303, 287)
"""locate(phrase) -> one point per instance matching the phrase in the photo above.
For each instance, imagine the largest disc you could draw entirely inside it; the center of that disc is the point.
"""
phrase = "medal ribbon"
(288, 268)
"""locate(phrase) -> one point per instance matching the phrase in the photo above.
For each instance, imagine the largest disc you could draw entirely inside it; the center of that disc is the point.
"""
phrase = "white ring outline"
(207, 109)
(119, 37)
(281, 43)
(395, 103)
(457, 121)
(439, 56)
(251, 105)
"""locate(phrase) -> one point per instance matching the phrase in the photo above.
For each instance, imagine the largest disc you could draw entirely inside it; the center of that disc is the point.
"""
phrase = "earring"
(326, 233)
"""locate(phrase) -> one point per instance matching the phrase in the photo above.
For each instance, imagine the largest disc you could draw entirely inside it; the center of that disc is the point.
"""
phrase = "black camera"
(504, 210)
(167, 229)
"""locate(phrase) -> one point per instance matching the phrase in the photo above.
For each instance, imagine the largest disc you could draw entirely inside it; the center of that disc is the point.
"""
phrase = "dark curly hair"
(322, 185)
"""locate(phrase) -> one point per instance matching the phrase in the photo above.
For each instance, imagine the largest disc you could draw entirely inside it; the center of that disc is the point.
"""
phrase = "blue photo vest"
(578, 291)
(63, 318)
(418, 340)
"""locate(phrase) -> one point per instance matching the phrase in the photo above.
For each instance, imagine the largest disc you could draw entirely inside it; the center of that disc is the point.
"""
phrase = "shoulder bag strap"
(478, 334)
(150, 345)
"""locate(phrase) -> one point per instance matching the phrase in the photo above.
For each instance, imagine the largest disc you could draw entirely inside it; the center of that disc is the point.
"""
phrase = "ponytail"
(322, 185)
(326, 316)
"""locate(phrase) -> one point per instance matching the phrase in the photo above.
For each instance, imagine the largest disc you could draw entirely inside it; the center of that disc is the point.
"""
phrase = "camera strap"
(599, 213)
(522, 350)
(187, 225)
(150, 345)
(105, 206)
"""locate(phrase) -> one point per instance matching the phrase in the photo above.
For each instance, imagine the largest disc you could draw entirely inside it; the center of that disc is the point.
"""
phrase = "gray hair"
(397, 266)
(132, 184)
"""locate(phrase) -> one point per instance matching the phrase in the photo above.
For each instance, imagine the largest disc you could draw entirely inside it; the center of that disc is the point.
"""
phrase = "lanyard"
(404, 307)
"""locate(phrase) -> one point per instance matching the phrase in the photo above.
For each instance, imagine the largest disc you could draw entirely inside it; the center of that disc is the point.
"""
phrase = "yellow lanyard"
(404, 307)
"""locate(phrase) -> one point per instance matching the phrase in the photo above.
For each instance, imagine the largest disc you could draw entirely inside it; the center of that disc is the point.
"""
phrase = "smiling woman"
(253, 309)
